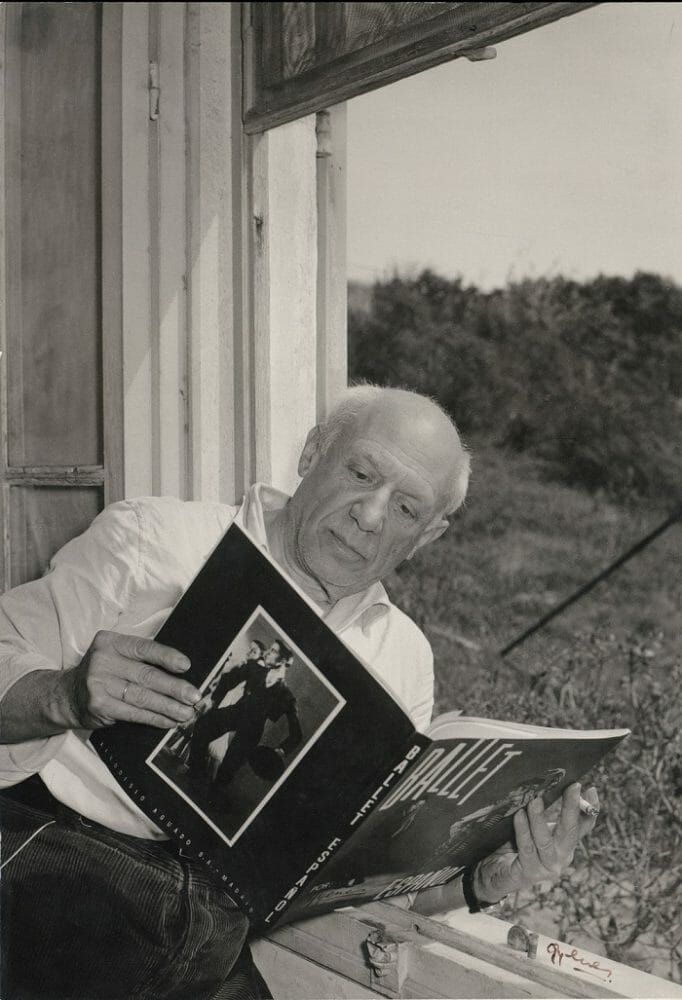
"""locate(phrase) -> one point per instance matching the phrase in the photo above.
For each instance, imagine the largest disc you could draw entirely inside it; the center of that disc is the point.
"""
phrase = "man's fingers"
(544, 849)
(145, 665)
(538, 856)
(552, 812)
(542, 835)
(132, 679)
(135, 647)
(151, 679)
(525, 845)
(143, 701)
(129, 713)
(566, 831)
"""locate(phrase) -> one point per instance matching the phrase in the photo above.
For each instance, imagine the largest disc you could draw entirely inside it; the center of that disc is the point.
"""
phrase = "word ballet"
(454, 774)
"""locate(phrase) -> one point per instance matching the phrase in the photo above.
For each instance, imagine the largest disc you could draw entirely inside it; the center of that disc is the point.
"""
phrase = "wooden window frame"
(463, 28)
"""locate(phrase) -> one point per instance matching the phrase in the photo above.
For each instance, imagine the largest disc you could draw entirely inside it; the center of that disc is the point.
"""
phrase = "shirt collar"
(363, 608)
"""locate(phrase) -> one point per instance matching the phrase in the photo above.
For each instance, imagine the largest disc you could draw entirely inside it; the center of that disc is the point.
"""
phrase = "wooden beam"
(170, 259)
(458, 955)
(5, 548)
(291, 976)
(284, 254)
(332, 289)
(56, 475)
(112, 253)
(136, 253)
(214, 328)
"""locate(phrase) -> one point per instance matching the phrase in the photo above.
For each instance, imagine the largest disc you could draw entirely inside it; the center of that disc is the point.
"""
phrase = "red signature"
(592, 968)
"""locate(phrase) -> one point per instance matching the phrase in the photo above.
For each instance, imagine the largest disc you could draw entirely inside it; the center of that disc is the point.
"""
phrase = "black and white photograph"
(260, 711)
(381, 303)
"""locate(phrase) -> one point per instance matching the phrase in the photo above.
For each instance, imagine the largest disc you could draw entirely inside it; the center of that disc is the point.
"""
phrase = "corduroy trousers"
(90, 914)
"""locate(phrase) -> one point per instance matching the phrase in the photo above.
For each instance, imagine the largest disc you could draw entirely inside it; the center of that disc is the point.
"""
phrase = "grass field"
(518, 547)
(522, 544)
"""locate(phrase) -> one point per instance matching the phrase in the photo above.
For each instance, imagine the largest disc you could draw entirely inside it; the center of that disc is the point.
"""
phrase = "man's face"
(272, 655)
(369, 501)
(253, 652)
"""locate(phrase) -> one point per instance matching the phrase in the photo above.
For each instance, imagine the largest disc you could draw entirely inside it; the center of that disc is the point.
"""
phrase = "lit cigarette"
(587, 809)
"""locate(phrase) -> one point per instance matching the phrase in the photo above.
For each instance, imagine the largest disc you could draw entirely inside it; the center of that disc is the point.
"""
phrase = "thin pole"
(558, 608)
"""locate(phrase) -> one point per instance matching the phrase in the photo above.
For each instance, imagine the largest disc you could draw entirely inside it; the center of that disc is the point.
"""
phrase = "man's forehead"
(414, 432)
(389, 460)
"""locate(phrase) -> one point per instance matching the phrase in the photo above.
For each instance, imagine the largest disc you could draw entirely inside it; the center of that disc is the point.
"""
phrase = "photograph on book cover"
(263, 707)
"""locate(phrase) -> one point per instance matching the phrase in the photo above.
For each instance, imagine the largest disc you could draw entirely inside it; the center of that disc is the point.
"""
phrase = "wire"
(558, 608)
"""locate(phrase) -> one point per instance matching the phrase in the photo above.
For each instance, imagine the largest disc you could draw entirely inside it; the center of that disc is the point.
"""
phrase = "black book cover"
(273, 828)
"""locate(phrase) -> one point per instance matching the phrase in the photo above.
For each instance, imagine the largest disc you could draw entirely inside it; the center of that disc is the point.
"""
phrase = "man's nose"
(370, 511)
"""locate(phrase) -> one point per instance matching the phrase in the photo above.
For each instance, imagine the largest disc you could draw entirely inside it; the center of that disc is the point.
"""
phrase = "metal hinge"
(154, 91)
(323, 133)
(387, 959)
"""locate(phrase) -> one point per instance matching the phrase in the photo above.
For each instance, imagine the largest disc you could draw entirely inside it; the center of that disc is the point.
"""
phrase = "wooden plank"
(422, 968)
(284, 240)
(242, 270)
(43, 518)
(135, 253)
(332, 290)
(52, 101)
(292, 977)
(485, 937)
(438, 971)
(213, 190)
(112, 252)
(18, 471)
(259, 297)
(468, 27)
(54, 398)
(472, 942)
(170, 300)
(459, 955)
(5, 557)
(12, 426)
(55, 477)
(336, 942)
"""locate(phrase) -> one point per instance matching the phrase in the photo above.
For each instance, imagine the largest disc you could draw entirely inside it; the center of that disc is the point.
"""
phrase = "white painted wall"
(284, 220)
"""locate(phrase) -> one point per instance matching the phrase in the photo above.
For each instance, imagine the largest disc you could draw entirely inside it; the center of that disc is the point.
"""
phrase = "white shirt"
(125, 574)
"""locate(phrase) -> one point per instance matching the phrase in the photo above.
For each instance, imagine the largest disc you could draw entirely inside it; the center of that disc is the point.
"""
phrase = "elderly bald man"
(95, 902)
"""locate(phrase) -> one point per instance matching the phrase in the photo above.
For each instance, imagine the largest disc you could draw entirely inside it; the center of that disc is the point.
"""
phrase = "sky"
(563, 155)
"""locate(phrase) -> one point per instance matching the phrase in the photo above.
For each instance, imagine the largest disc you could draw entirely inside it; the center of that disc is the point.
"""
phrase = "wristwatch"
(473, 902)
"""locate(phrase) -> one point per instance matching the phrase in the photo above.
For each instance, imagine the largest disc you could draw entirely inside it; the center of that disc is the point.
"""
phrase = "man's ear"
(311, 452)
(430, 534)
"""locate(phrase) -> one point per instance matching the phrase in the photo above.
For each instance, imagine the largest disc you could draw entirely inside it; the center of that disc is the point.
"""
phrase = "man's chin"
(334, 579)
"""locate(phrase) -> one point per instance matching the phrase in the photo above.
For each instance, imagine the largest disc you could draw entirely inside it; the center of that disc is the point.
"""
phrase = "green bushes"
(585, 376)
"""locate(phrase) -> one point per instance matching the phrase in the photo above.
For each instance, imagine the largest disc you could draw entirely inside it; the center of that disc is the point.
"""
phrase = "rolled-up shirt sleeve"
(49, 624)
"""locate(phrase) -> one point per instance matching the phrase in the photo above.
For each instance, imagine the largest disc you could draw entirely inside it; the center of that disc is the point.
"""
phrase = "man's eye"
(407, 511)
(361, 477)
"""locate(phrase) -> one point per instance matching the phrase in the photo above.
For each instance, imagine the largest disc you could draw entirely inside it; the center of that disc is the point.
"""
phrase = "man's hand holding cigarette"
(544, 850)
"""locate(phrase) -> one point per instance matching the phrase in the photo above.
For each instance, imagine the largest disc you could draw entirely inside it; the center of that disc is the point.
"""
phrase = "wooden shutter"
(53, 464)
(303, 57)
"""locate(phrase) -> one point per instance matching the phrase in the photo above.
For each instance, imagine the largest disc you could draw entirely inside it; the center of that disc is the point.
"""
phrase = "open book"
(321, 793)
